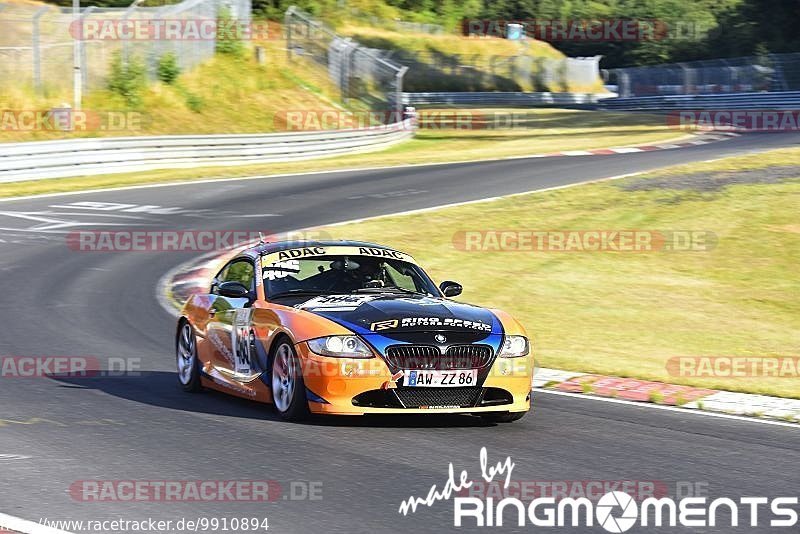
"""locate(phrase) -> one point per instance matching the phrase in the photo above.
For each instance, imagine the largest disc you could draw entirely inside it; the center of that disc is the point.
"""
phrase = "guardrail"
(779, 100)
(81, 157)
(498, 98)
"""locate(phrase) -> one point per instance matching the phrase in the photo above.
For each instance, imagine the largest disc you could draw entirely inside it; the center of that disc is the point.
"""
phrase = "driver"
(344, 275)
(351, 275)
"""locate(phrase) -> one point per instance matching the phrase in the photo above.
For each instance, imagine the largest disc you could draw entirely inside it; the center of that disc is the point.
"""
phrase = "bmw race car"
(345, 327)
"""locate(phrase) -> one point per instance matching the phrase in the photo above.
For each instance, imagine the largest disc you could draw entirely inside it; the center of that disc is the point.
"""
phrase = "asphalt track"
(57, 301)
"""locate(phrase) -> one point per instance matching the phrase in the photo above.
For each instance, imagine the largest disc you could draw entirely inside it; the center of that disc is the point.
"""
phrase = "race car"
(350, 328)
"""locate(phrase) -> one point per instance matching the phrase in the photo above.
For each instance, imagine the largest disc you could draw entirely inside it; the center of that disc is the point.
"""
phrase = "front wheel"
(508, 417)
(186, 359)
(288, 388)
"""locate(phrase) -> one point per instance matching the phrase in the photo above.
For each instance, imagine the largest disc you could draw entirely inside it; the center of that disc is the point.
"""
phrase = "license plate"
(441, 379)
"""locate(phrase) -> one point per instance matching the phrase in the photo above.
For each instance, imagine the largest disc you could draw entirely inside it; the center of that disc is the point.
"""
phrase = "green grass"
(626, 314)
(549, 131)
(445, 44)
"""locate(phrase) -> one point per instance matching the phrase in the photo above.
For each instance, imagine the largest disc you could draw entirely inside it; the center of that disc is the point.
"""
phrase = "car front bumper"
(345, 386)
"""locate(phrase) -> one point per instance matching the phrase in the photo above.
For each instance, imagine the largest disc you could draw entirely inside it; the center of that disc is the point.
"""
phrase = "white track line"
(17, 524)
(687, 411)
(161, 286)
(480, 200)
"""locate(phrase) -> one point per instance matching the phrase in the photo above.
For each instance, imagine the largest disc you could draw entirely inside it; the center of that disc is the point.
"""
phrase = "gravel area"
(714, 180)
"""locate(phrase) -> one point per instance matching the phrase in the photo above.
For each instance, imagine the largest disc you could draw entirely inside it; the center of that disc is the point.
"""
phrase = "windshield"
(344, 274)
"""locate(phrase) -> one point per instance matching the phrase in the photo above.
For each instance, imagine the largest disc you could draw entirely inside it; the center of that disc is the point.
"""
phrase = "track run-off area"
(328, 475)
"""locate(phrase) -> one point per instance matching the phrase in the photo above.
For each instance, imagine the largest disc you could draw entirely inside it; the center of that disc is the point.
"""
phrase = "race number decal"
(240, 341)
(281, 269)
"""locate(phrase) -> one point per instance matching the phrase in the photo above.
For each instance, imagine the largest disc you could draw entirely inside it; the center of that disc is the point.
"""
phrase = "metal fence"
(770, 72)
(788, 100)
(35, 46)
(38, 45)
(363, 75)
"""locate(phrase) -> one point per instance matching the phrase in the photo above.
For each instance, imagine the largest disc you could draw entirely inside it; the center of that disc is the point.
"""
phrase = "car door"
(229, 326)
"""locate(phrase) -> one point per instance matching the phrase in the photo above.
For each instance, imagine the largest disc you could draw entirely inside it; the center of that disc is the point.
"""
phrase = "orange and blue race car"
(350, 328)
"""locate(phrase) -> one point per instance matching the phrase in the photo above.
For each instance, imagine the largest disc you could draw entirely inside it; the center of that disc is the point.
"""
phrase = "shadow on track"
(160, 388)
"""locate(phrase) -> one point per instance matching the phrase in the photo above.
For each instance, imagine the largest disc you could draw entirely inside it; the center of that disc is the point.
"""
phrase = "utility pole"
(77, 82)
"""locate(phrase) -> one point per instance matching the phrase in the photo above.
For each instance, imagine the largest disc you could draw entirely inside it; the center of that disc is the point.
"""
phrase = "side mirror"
(234, 290)
(451, 289)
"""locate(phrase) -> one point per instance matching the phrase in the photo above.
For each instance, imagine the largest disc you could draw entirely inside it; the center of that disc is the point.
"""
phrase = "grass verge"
(627, 314)
(548, 130)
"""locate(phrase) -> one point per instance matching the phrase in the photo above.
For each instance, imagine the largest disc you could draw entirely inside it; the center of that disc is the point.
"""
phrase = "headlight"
(514, 347)
(340, 347)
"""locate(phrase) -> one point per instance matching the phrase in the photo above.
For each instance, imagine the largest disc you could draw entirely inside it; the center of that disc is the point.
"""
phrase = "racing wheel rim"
(284, 377)
(187, 355)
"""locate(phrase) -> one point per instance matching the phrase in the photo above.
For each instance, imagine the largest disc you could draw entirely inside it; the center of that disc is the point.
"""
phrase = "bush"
(127, 79)
(168, 69)
(194, 102)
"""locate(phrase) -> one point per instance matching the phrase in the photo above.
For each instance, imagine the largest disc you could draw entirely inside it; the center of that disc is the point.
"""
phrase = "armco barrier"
(500, 99)
(779, 100)
(80, 157)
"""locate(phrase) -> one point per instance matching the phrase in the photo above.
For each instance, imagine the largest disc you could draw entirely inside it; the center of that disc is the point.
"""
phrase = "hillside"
(226, 94)
(450, 62)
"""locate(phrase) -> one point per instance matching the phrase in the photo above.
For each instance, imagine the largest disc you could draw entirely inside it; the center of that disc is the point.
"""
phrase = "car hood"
(406, 318)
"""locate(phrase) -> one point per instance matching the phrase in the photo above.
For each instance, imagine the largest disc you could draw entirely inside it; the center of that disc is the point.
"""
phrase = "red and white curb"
(181, 283)
(702, 139)
(689, 397)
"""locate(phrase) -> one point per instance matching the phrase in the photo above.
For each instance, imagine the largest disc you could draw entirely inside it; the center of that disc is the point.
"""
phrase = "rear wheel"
(288, 388)
(508, 417)
(186, 359)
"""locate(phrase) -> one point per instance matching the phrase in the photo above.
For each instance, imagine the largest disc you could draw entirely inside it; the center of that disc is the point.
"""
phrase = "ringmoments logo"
(615, 511)
(616, 500)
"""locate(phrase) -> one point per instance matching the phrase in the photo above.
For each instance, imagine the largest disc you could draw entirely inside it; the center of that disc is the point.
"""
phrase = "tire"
(288, 388)
(508, 417)
(186, 359)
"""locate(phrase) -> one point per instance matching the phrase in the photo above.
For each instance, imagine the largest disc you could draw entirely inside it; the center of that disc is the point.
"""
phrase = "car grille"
(416, 397)
(430, 357)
